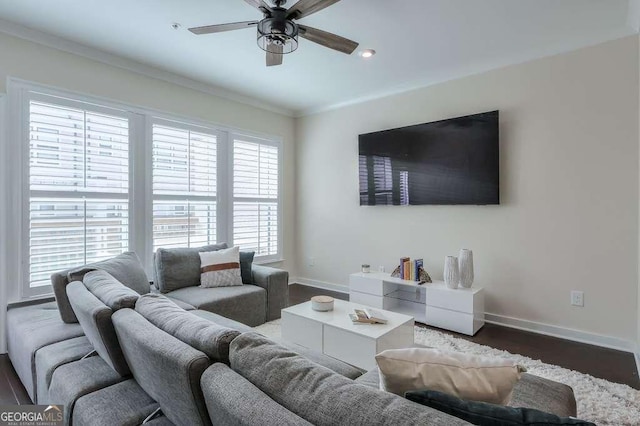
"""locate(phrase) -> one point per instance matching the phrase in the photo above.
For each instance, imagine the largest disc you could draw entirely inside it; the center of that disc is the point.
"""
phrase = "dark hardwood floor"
(608, 364)
(11, 389)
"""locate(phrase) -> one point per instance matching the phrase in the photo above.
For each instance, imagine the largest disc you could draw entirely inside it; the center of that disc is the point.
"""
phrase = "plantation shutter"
(255, 196)
(78, 185)
(184, 187)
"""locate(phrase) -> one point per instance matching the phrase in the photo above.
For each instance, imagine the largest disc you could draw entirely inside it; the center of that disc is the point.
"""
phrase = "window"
(184, 187)
(95, 178)
(78, 185)
(256, 196)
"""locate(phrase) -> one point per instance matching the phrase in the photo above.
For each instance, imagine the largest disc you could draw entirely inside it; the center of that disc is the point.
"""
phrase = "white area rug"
(599, 401)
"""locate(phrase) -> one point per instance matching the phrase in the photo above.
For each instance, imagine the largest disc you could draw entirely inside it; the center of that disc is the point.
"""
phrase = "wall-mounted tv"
(452, 161)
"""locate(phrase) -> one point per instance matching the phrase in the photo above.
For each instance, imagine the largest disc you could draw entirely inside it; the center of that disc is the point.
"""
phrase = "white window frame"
(221, 154)
(272, 142)
(14, 179)
(4, 203)
(20, 95)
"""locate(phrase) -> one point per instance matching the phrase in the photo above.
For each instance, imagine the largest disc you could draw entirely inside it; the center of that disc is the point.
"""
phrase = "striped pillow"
(220, 268)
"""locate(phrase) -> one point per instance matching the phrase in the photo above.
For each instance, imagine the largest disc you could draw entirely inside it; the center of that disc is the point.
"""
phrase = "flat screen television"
(452, 161)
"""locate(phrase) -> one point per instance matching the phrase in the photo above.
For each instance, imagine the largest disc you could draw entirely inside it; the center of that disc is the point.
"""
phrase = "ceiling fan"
(278, 32)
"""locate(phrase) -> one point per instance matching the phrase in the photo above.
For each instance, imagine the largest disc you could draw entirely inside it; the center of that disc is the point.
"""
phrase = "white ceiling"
(419, 42)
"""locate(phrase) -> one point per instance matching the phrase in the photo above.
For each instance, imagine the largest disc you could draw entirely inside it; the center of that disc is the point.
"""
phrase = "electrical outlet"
(311, 261)
(381, 268)
(577, 298)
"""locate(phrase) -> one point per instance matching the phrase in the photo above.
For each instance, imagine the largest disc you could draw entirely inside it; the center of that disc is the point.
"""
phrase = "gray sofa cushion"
(371, 378)
(319, 358)
(223, 321)
(544, 395)
(159, 421)
(124, 404)
(183, 305)
(317, 394)
(166, 368)
(110, 291)
(211, 338)
(125, 268)
(246, 405)
(95, 319)
(30, 328)
(76, 379)
(179, 267)
(53, 356)
(245, 303)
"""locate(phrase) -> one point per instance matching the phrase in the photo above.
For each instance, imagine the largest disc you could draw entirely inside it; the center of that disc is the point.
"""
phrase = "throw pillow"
(220, 268)
(481, 413)
(246, 262)
(465, 376)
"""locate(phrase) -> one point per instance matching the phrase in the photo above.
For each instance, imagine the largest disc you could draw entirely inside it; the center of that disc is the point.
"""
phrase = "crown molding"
(616, 34)
(65, 45)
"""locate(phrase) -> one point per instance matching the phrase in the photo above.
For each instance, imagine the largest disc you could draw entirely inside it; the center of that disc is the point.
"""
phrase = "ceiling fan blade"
(307, 7)
(208, 29)
(329, 40)
(260, 5)
(274, 58)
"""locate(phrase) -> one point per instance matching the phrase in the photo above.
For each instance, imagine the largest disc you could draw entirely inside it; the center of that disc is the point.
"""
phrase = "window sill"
(28, 301)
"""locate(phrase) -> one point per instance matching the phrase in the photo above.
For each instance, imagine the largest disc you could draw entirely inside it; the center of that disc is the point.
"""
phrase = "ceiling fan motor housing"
(277, 34)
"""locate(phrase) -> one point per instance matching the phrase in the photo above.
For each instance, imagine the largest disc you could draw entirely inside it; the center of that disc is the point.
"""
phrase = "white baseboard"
(563, 332)
(637, 355)
(320, 284)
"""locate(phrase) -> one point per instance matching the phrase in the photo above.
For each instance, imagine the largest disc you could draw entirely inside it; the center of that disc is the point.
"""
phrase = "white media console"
(460, 310)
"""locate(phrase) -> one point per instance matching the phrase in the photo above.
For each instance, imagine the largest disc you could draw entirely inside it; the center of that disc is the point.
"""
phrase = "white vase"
(465, 264)
(451, 272)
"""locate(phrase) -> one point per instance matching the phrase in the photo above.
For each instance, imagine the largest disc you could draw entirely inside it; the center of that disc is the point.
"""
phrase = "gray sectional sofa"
(135, 358)
(32, 329)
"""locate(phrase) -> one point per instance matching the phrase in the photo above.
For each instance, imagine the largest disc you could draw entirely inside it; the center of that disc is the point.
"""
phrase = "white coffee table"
(333, 333)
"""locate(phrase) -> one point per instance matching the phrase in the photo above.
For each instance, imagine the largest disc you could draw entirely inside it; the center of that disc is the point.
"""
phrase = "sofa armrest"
(276, 282)
(544, 395)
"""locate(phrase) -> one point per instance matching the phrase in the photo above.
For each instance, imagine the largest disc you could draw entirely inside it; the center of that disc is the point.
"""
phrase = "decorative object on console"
(396, 273)
(220, 268)
(465, 264)
(411, 270)
(366, 268)
(423, 276)
(451, 272)
(322, 303)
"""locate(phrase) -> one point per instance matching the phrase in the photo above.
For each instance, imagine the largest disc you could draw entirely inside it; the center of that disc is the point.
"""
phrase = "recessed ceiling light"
(367, 53)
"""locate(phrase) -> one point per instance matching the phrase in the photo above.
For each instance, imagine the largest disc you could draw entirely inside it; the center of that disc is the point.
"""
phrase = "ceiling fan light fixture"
(367, 53)
(277, 36)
